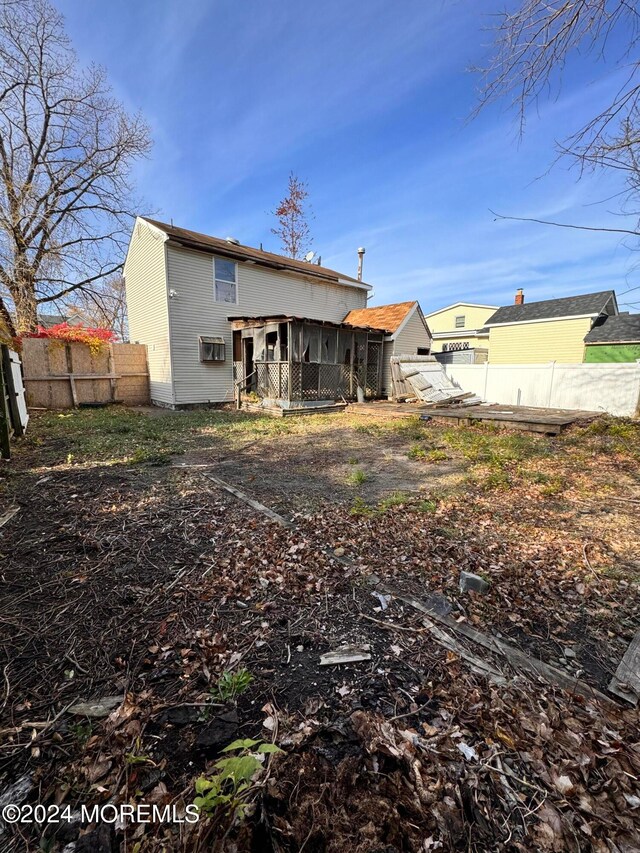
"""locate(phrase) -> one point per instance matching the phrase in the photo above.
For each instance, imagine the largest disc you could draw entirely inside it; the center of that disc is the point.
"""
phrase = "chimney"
(360, 262)
(519, 296)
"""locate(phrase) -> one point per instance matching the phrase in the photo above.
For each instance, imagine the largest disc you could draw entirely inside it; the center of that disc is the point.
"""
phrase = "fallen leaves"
(155, 587)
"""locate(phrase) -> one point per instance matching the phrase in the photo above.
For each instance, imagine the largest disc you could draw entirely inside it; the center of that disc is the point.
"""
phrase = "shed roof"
(228, 249)
(460, 305)
(387, 317)
(622, 328)
(553, 309)
(286, 318)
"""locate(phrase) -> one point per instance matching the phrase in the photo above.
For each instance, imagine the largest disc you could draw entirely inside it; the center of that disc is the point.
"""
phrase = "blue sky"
(369, 103)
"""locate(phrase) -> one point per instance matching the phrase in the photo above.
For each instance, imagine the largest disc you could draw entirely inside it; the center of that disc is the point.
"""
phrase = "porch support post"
(353, 348)
(289, 362)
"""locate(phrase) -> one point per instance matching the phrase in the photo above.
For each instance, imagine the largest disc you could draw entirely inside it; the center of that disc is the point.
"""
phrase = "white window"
(211, 349)
(225, 281)
(460, 321)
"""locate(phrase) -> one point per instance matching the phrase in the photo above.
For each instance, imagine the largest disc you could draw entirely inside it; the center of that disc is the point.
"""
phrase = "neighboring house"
(551, 330)
(182, 287)
(46, 321)
(460, 326)
(614, 338)
(407, 332)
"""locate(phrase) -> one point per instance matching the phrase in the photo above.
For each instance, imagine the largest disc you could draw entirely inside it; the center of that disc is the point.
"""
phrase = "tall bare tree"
(532, 45)
(103, 306)
(67, 147)
(292, 214)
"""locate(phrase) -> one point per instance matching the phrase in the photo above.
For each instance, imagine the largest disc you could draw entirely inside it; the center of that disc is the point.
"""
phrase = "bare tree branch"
(565, 224)
(293, 227)
(67, 148)
(532, 46)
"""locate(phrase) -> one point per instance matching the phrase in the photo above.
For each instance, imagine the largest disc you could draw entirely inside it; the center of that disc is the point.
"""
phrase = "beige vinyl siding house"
(169, 278)
(148, 307)
(260, 292)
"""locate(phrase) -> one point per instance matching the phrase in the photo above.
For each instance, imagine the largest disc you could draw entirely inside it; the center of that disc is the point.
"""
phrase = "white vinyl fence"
(612, 388)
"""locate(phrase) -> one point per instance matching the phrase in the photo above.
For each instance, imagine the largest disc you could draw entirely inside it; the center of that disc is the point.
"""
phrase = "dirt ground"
(300, 473)
(127, 573)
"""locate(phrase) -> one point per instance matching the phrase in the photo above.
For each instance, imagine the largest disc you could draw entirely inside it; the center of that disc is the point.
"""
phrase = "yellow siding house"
(550, 330)
(460, 326)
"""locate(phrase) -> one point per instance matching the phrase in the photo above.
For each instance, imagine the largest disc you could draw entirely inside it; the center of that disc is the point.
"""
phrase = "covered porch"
(295, 362)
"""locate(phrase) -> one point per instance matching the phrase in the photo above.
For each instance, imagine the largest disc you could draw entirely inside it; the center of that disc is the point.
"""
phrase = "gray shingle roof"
(205, 243)
(49, 320)
(623, 328)
(549, 309)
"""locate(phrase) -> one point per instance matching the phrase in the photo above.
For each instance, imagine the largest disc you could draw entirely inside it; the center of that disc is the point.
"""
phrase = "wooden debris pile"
(422, 377)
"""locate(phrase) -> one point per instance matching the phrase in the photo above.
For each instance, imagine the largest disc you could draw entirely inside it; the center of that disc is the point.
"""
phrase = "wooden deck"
(525, 418)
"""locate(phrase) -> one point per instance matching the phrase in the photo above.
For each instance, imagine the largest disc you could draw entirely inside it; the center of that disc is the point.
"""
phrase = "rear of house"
(182, 287)
(549, 330)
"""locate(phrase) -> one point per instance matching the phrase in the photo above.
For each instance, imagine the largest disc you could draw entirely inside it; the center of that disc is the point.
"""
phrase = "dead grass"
(488, 458)
(181, 582)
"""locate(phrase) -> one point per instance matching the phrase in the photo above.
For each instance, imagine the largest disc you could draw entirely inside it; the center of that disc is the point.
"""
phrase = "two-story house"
(214, 313)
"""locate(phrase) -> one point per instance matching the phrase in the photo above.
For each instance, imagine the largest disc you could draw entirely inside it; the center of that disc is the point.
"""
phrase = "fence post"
(553, 371)
(486, 380)
(5, 426)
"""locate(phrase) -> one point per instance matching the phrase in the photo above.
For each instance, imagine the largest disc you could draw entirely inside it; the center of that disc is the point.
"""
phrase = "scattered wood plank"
(517, 659)
(626, 681)
(8, 515)
(345, 654)
(253, 503)
(479, 666)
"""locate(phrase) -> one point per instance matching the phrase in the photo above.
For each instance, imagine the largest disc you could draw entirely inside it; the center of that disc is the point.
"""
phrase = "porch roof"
(286, 318)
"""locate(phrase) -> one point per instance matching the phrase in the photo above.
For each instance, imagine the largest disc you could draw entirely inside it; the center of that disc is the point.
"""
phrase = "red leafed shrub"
(95, 339)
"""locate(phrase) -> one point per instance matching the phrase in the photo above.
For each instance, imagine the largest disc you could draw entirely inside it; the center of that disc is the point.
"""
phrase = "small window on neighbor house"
(423, 351)
(211, 349)
(225, 284)
(460, 321)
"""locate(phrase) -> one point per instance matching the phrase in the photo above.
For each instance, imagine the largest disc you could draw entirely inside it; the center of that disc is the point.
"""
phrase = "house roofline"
(250, 255)
(148, 225)
(545, 320)
(460, 304)
(609, 343)
(416, 307)
(460, 333)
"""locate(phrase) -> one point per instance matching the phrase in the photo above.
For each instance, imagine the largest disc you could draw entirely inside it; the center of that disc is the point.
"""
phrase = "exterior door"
(249, 364)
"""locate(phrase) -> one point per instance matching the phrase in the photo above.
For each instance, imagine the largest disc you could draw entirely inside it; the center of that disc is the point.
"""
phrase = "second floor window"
(225, 285)
(460, 321)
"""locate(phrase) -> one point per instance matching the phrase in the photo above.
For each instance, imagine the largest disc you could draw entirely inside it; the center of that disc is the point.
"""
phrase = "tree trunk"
(24, 299)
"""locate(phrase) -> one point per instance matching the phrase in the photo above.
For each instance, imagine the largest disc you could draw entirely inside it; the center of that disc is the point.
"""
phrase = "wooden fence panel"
(63, 376)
